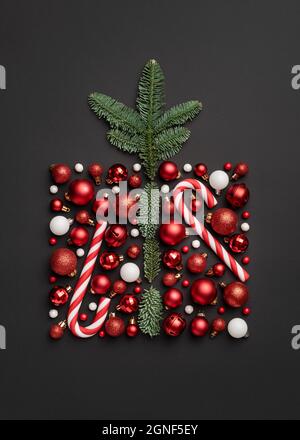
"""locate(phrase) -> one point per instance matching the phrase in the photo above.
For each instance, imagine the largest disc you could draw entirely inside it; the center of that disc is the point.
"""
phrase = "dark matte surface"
(234, 56)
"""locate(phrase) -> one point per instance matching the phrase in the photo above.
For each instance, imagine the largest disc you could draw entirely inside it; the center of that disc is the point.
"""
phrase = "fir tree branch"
(178, 115)
(169, 142)
(151, 258)
(125, 141)
(150, 312)
(149, 205)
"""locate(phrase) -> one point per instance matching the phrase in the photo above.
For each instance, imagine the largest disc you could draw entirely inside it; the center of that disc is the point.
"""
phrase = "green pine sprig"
(151, 258)
(150, 312)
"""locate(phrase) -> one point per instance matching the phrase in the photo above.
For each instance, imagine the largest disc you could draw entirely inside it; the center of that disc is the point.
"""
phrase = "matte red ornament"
(128, 304)
(60, 173)
(79, 236)
(100, 284)
(57, 205)
(246, 214)
(52, 241)
(116, 235)
(119, 287)
(110, 260)
(174, 324)
(246, 260)
(238, 243)
(168, 171)
(95, 170)
(135, 181)
(200, 169)
(227, 166)
(237, 195)
(199, 325)
(217, 270)
(172, 298)
(59, 295)
(116, 173)
(172, 233)
(81, 192)
(170, 279)
(240, 170)
(235, 294)
(114, 326)
(218, 326)
(83, 317)
(196, 263)
(133, 251)
(57, 330)
(63, 262)
(83, 217)
(246, 311)
(203, 291)
(224, 221)
(172, 259)
(132, 328)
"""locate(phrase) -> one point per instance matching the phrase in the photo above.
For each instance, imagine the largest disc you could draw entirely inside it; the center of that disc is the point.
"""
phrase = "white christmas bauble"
(115, 189)
(165, 189)
(189, 309)
(53, 313)
(80, 252)
(134, 232)
(129, 272)
(218, 180)
(53, 189)
(245, 227)
(196, 244)
(78, 167)
(93, 306)
(237, 328)
(187, 167)
(59, 225)
(137, 167)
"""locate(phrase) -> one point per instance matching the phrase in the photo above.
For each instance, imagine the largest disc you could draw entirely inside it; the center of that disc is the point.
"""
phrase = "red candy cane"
(201, 230)
(81, 288)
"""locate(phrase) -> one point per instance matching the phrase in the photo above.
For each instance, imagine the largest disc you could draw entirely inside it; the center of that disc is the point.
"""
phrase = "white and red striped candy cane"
(195, 185)
(81, 288)
(201, 230)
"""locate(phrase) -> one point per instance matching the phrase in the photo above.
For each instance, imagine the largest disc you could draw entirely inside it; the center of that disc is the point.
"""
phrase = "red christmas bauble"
(100, 284)
(240, 170)
(124, 204)
(196, 263)
(174, 324)
(83, 217)
(172, 298)
(170, 279)
(57, 330)
(59, 295)
(116, 173)
(224, 221)
(101, 206)
(83, 317)
(81, 191)
(196, 204)
(200, 169)
(128, 304)
(237, 195)
(95, 171)
(114, 326)
(137, 289)
(185, 283)
(246, 311)
(79, 236)
(63, 262)
(119, 287)
(236, 294)
(110, 260)
(133, 251)
(116, 235)
(227, 166)
(199, 325)
(221, 310)
(52, 279)
(246, 260)
(246, 214)
(172, 259)
(52, 241)
(203, 291)
(132, 328)
(60, 173)
(135, 181)
(217, 270)
(218, 326)
(238, 243)
(57, 205)
(168, 171)
(185, 249)
(172, 233)
(101, 334)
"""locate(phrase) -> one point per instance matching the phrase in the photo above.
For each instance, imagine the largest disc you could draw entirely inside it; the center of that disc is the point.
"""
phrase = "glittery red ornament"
(116, 173)
(196, 263)
(57, 330)
(133, 251)
(224, 221)
(100, 284)
(172, 298)
(172, 259)
(128, 304)
(240, 170)
(79, 236)
(57, 205)
(200, 169)
(81, 191)
(83, 217)
(174, 324)
(168, 171)
(59, 295)
(119, 287)
(110, 260)
(218, 326)
(172, 233)
(114, 326)
(60, 173)
(238, 243)
(132, 328)
(95, 170)
(199, 325)
(63, 262)
(135, 181)
(203, 291)
(170, 278)
(235, 294)
(116, 235)
(237, 195)
(217, 270)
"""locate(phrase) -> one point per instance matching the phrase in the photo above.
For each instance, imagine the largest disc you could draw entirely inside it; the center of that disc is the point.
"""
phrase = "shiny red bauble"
(60, 173)
(114, 326)
(57, 330)
(132, 328)
(196, 263)
(52, 241)
(119, 287)
(59, 295)
(246, 214)
(169, 279)
(57, 205)
(238, 243)
(199, 325)
(236, 294)
(52, 279)
(116, 173)
(123, 205)
(174, 324)
(83, 317)
(135, 181)
(221, 310)
(172, 233)
(172, 298)
(246, 260)
(185, 283)
(246, 311)
(168, 171)
(100, 284)
(203, 291)
(81, 192)
(101, 334)
(110, 260)
(133, 251)
(185, 249)
(83, 217)
(200, 169)
(128, 304)
(217, 270)
(240, 170)
(237, 195)
(227, 166)
(217, 326)
(224, 221)
(95, 170)
(137, 289)
(63, 262)
(79, 236)
(172, 259)
(116, 235)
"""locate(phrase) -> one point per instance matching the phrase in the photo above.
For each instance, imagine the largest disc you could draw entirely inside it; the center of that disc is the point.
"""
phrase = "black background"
(236, 57)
